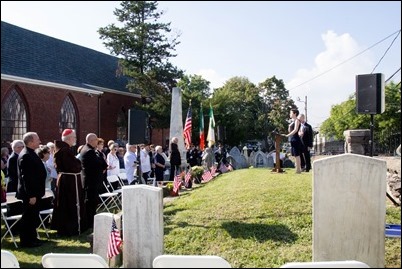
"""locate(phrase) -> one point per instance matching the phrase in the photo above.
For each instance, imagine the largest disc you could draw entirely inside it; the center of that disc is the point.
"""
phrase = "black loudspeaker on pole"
(370, 94)
(370, 99)
(138, 127)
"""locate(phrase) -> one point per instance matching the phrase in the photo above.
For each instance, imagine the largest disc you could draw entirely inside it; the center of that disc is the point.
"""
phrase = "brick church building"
(48, 85)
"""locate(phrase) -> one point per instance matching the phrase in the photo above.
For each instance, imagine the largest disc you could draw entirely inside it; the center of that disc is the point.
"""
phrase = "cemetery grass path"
(251, 217)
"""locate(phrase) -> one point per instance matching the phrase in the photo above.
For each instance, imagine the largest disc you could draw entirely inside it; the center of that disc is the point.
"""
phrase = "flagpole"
(201, 129)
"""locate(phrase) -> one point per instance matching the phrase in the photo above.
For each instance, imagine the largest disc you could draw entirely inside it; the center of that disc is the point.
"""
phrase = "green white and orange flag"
(211, 130)
(202, 134)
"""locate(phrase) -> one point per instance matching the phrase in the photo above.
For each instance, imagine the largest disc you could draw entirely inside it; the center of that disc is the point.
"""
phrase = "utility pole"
(305, 105)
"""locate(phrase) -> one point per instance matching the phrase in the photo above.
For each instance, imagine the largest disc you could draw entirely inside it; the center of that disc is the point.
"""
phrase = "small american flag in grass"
(177, 182)
(187, 178)
(114, 243)
(207, 176)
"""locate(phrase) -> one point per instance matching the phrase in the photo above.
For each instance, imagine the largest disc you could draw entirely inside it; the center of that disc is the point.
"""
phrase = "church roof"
(31, 55)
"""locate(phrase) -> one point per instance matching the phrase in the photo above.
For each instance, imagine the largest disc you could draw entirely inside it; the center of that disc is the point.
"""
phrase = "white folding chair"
(46, 214)
(189, 261)
(73, 260)
(115, 186)
(115, 179)
(326, 264)
(10, 218)
(108, 199)
(8, 260)
(123, 177)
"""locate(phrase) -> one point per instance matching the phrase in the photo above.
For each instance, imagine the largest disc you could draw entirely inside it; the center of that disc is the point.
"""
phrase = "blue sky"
(316, 48)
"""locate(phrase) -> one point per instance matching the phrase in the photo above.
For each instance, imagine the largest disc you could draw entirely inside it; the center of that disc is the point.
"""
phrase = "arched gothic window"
(122, 126)
(68, 118)
(13, 117)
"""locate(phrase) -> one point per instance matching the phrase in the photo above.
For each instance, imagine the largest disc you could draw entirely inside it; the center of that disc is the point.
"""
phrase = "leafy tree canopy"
(145, 48)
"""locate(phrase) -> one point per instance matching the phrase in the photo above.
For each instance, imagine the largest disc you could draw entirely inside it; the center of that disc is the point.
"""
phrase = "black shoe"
(31, 245)
(40, 241)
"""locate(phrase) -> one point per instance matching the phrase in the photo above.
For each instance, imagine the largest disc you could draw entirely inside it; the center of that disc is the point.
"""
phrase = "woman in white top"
(113, 161)
(145, 162)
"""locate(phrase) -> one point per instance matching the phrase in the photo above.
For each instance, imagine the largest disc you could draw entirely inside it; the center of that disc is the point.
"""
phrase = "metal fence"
(385, 143)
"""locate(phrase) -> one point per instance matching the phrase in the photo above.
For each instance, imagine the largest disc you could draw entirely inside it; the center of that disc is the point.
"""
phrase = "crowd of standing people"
(77, 179)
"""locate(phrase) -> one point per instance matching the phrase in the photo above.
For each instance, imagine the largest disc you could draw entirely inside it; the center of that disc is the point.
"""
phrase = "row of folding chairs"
(11, 220)
(80, 260)
(112, 197)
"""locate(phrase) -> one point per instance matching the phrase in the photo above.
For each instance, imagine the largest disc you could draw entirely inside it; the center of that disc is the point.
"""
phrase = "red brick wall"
(43, 110)
(160, 137)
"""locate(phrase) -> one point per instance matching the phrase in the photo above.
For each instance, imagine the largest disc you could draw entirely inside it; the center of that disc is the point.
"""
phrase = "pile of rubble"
(394, 184)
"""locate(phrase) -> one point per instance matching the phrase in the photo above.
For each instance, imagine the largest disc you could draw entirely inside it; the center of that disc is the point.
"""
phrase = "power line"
(386, 51)
(319, 75)
(393, 75)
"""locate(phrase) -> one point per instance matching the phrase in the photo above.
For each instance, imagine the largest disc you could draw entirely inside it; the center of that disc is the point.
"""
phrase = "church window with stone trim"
(13, 117)
(68, 118)
(122, 126)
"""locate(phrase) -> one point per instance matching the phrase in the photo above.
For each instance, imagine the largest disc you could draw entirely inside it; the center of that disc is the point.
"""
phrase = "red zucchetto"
(67, 132)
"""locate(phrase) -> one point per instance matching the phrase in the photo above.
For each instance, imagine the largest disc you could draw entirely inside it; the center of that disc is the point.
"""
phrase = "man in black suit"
(31, 188)
(93, 166)
(306, 134)
(192, 155)
(17, 146)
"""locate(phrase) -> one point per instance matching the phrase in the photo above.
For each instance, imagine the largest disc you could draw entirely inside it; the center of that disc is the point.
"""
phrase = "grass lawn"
(250, 217)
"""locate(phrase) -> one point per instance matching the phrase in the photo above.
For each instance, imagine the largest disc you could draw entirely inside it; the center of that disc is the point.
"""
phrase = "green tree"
(236, 108)
(276, 105)
(196, 89)
(145, 48)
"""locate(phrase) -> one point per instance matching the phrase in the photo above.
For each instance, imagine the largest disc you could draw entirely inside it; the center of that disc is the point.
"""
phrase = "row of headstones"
(348, 215)
(256, 159)
(356, 141)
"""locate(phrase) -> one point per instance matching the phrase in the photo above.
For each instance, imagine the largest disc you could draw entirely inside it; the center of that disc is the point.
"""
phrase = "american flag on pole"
(207, 176)
(114, 243)
(177, 183)
(187, 128)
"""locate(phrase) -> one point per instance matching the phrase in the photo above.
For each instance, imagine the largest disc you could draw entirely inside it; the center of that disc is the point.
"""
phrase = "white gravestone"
(349, 195)
(142, 225)
(102, 229)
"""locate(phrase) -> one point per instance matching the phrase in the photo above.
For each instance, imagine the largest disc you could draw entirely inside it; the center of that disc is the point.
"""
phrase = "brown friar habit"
(69, 208)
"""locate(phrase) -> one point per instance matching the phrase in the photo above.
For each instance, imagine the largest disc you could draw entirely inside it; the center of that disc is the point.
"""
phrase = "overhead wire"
(341, 63)
(386, 51)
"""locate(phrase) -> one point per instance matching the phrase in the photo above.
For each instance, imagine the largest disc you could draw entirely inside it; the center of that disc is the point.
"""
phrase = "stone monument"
(176, 123)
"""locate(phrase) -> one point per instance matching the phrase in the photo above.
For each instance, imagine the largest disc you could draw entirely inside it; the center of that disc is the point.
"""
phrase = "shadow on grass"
(32, 257)
(261, 232)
